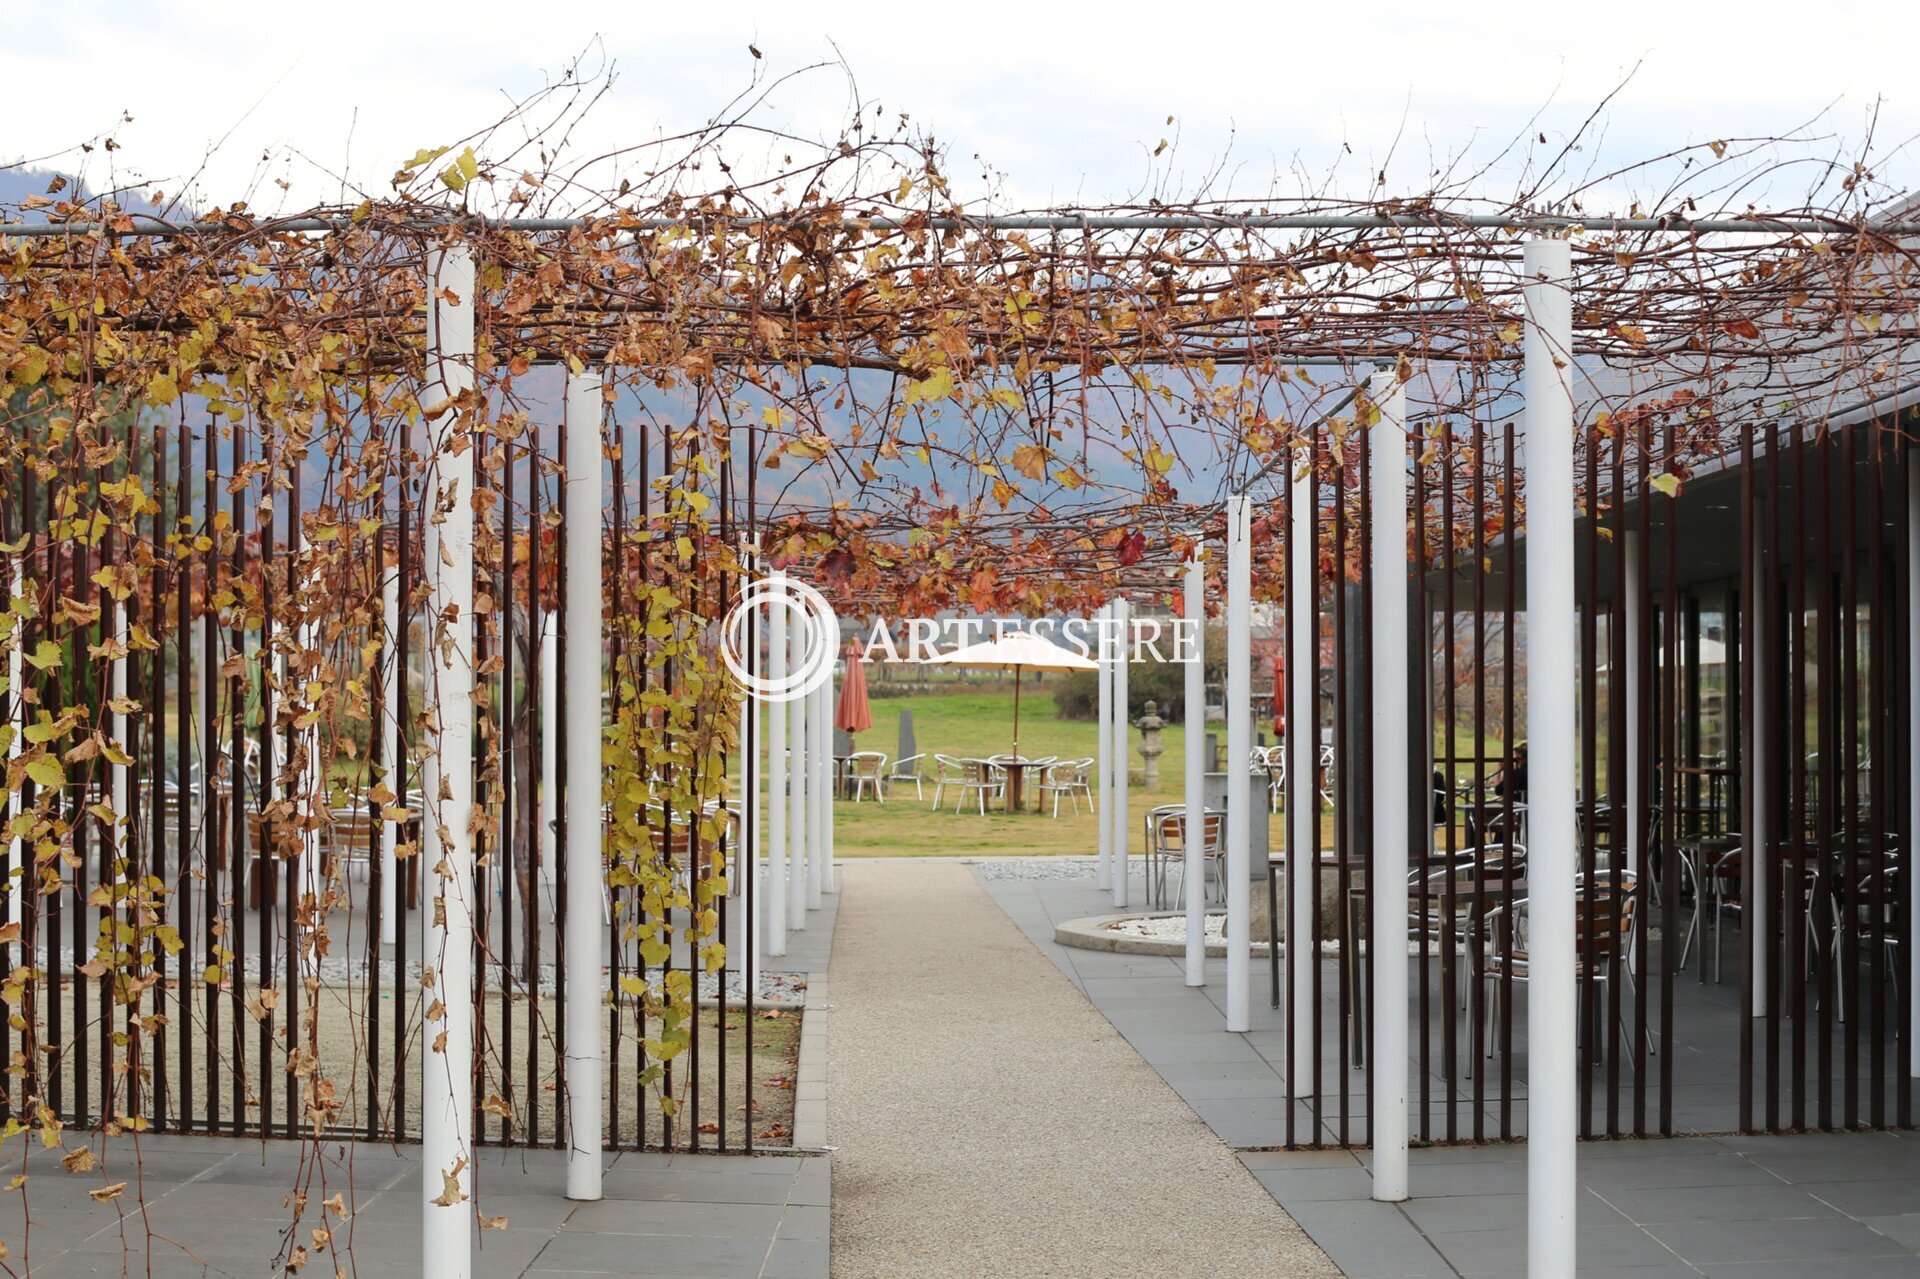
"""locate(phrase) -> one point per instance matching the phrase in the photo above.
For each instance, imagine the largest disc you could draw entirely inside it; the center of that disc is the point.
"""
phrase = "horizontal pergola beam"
(1530, 224)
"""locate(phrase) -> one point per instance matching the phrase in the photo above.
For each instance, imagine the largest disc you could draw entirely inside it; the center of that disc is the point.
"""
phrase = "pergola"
(884, 402)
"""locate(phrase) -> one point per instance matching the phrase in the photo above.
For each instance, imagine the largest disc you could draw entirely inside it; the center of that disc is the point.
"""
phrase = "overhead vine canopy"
(1012, 411)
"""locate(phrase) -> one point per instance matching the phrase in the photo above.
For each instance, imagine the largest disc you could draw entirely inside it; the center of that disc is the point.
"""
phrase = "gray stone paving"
(1844, 1204)
(210, 1206)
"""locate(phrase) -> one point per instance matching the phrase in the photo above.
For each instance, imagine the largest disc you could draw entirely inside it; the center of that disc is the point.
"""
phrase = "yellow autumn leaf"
(937, 385)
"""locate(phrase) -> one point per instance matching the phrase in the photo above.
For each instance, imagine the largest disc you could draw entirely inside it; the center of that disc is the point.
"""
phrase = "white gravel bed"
(1037, 868)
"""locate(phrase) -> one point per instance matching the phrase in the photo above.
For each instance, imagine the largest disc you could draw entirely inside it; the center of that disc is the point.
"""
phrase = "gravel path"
(990, 1122)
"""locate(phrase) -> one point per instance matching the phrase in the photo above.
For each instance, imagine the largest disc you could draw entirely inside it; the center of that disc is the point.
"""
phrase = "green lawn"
(978, 721)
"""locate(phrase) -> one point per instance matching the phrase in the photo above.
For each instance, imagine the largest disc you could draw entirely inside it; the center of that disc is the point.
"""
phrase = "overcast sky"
(1065, 103)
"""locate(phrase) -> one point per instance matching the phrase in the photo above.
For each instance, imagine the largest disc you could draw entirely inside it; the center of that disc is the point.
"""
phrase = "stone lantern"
(1150, 725)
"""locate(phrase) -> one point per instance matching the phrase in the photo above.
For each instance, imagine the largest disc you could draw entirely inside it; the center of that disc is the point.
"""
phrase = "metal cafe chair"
(1598, 956)
(976, 777)
(1069, 778)
(1856, 904)
(946, 772)
(1475, 869)
(1272, 760)
(864, 769)
(1167, 846)
(905, 770)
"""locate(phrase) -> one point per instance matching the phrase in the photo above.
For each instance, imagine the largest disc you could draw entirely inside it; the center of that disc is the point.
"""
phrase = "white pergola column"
(446, 1112)
(745, 870)
(16, 715)
(390, 749)
(1118, 813)
(549, 799)
(1239, 752)
(1913, 731)
(1303, 762)
(1760, 837)
(586, 869)
(120, 776)
(775, 915)
(820, 789)
(1193, 877)
(314, 801)
(1391, 712)
(1103, 755)
(800, 776)
(1636, 621)
(1552, 681)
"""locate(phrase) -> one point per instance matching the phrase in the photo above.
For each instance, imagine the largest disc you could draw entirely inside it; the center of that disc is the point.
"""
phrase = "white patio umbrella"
(1017, 651)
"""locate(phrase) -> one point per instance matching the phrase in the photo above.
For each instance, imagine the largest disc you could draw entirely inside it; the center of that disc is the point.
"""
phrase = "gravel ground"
(1038, 868)
(989, 1121)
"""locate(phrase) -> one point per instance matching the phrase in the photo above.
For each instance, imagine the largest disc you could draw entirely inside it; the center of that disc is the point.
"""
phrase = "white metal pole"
(1552, 678)
(1104, 742)
(447, 1065)
(1303, 768)
(120, 777)
(827, 704)
(820, 793)
(800, 820)
(1193, 876)
(1636, 620)
(1239, 753)
(1913, 732)
(586, 869)
(775, 915)
(315, 802)
(1119, 813)
(16, 714)
(746, 857)
(549, 809)
(1759, 839)
(1393, 830)
(390, 749)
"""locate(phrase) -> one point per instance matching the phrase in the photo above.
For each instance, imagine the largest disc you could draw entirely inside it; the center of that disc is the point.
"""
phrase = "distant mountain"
(17, 185)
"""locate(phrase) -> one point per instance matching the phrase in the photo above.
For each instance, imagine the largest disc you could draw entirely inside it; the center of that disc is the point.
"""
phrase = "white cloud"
(1068, 100)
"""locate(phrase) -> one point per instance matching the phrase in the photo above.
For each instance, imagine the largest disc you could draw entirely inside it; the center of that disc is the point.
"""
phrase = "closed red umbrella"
(853, 714)
(1279, 697)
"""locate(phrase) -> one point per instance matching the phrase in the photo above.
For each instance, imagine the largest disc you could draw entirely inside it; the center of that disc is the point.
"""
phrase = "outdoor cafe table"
(1016, 781)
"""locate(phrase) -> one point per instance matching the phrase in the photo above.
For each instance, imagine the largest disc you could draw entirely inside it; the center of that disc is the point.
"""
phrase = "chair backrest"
(1213, 832)
(867, 763)
(979, 771)
(354, 831)
(900, 766)
(1618, 905)
(1614, 917)
(1066, 773)
(1167, 826)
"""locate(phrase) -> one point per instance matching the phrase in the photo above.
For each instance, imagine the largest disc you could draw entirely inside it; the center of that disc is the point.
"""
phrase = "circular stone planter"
(1096, 933)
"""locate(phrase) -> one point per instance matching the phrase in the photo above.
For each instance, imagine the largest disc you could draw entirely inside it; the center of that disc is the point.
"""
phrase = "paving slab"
(1841, 1204)
(211, 1206)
